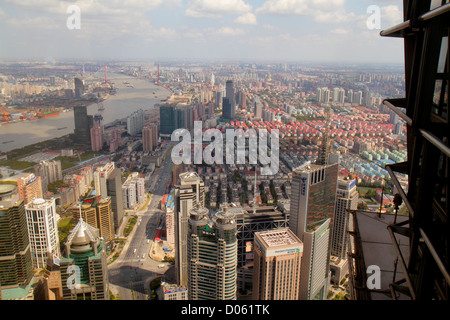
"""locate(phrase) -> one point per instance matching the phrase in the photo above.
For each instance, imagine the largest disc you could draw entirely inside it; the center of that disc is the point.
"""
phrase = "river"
(143, 95)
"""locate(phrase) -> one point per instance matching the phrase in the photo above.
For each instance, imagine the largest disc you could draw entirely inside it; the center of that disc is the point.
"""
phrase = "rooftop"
(279, 237)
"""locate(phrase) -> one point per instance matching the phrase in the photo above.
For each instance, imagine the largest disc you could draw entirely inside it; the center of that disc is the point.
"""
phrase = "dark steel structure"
(425, 32)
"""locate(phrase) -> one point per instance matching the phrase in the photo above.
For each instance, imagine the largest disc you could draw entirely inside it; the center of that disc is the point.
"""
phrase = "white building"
(101, 174)
(135, 122)
(133, 191)
(42, 231)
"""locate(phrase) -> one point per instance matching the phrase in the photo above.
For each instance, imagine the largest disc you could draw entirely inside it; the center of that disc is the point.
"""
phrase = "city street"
(131, 273)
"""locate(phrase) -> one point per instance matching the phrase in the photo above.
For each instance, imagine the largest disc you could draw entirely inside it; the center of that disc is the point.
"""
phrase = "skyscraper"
(258, 108)
(96, 133)
(346, 198)
(79, 87)
(15, 254)
(108, 183)
(230, 93)
(312, 210)
(211, 255)
(42, 231)
(276, 273)
(190, 193)
(227, 109)
(84, 252)
(83, 124)
(170, 119)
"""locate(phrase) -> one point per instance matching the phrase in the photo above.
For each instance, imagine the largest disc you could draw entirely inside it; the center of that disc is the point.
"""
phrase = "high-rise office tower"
(211, 253)
(108, 183)
(83, 124)
(84, 252)
(79, 87)
(187, 118)
(248, 221)
(50, 169)
(258, 107)
(189, 193)
(42, 231)
(135, 122)
(96, 133)
(15, 255)
(29, 187)
(312, 209)
(276, 273)
(218, 99)
(230, 94)
(170, 119)
(150, 137)
(97, 212)
(227, 109)
(346, 198)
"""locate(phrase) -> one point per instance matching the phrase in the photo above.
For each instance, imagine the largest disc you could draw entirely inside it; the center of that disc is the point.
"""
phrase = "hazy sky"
(282, 30)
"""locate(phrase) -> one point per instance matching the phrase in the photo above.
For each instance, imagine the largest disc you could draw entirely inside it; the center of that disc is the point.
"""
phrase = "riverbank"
(143, 95)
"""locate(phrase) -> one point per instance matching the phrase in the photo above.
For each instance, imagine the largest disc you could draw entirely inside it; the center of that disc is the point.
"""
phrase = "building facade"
(29, 187)
(16, 268)
(212, 255)
(311, 215)
(84, 274)
(189, 194)
(276, 273)
(42, 231)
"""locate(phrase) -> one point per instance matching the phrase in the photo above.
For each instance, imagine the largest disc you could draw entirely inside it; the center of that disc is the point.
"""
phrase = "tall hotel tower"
(189, 194)
(276, 274)
(212, 255)
(312, 210)
(42, 231)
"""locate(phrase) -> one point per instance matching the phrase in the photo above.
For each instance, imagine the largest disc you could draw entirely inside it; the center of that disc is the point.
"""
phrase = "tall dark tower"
(83, 124)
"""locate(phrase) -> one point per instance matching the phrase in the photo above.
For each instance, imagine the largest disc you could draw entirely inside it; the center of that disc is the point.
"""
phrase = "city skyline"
(334, 31)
